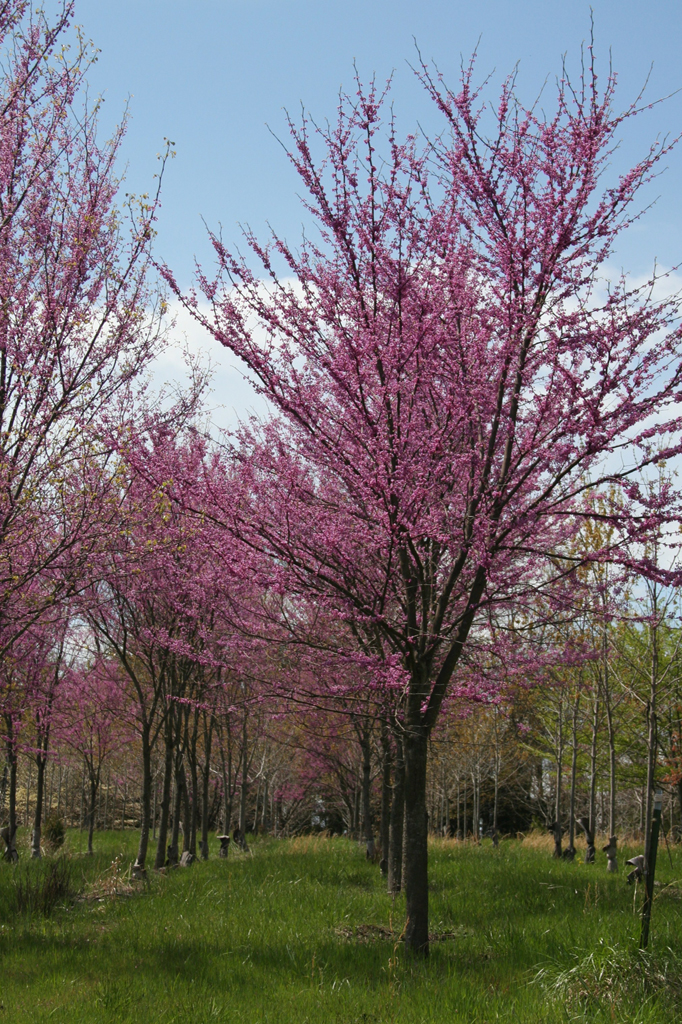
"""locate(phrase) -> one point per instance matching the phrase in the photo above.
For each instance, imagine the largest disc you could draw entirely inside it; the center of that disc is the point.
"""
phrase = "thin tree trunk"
(186, 811)
(497, 776)
(559, 772)
(570, 852)
(193, 797)
(652, 731)
(464, 810)
(174, 848)
(162, 841)
(82, 817)
(41, 762)
(206, 777)
(28, 794)
(10, 853)
(366, 747)
(146, 808)
(385, 826)
(245, 782)
(265, 819)
(592, 816)
(395, 832)
(94, 784)
(611, 849)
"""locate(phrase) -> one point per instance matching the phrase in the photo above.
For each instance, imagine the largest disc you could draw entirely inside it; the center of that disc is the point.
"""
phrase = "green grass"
(272, 938)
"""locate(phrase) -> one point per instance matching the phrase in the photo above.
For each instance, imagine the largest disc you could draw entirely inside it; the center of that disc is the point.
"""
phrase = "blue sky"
(212, 75)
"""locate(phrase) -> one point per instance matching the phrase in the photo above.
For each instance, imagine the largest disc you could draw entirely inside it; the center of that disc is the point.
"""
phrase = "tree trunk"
(395, 832)
(193, 797)
(592, 815)
(160, 858)
(416, 850)
(28, 794)
(41, 761)
(205, 783)
(366, 747)
(464, 810)
(385, 825)
(652, 732)
(245, 782)
(265, 820)
(559, 772)
(173, 849)
(10, 853)
(497, 776)
(91, 810)
(612, 847)
(146, 802)
(570, 852)
(186, 811)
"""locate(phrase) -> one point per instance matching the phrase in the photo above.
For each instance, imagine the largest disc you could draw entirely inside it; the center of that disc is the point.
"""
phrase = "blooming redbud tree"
(451, 377)
(77, 320)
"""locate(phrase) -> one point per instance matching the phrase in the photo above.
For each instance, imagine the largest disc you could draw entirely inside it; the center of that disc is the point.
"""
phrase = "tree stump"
(187, 859)
(557, 831)
(638, 866)
(590, 852)
(224, 846)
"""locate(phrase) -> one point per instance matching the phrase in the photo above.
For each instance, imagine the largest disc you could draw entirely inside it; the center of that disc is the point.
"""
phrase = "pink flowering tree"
(78, 319)
(450, 377)
(92, 719)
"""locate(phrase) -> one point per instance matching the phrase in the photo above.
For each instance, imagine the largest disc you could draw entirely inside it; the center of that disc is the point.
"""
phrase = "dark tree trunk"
(245, 780)
(652, 732)
(612, 847)
(366, 747)
(10, 836)
(173, 849)
(94, 785)
(395, 832)
(193, 797)
(557, 829)
(205, 783)
(415, 851)
(41, 762)
(569, 853)
(162, 841)
(592, 818)
(265, 820)
(146, 809)
(385, 796)
(186, 811)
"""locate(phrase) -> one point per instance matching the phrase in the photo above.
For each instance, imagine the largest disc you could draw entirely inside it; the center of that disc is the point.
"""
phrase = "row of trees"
(533, 757)
(442, 514)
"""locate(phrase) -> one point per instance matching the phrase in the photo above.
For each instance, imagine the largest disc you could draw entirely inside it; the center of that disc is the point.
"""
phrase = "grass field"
(302, 931)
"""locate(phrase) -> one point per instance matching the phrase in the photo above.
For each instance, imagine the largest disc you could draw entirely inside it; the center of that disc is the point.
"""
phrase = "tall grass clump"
(616, 983)
(40, 887)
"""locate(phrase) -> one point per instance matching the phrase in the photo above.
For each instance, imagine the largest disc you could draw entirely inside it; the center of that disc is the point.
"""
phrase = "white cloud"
(231, 396)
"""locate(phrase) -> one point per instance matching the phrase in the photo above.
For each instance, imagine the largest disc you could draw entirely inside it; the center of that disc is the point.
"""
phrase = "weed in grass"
(42, 886)
(616, 982)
